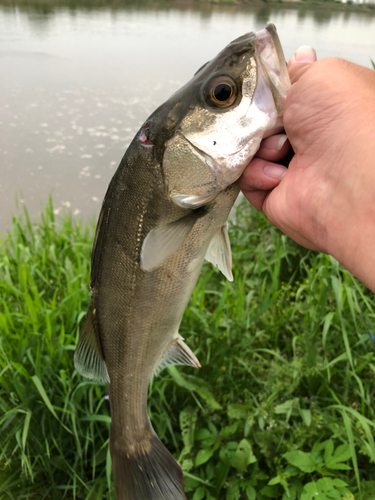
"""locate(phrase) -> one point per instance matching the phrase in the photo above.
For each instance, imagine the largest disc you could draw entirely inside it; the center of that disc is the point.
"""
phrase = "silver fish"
(165, 211)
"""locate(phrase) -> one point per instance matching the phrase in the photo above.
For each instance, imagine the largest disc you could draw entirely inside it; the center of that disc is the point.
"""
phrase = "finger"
(261, 175)
(274, 148)
(300, 61)
(262, 201)
(256, 198)
(274, 207)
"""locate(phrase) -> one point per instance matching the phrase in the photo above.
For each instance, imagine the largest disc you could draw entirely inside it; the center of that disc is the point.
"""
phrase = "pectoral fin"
(178, 354)
(219, 252)
(163, 241)
(88, 357)
(192, 201)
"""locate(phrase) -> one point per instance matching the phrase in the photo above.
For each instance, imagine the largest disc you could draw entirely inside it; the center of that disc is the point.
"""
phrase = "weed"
(282, 407)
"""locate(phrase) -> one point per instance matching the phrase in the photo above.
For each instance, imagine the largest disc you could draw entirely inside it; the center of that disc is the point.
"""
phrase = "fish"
(165, 211)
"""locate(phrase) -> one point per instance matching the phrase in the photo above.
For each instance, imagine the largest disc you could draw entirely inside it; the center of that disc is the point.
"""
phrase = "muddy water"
(76, 85)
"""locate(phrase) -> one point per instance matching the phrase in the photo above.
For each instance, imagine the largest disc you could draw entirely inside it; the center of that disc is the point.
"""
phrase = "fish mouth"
(270, 55)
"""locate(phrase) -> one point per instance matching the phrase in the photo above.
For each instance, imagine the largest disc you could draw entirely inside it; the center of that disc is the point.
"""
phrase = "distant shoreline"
(333, 5)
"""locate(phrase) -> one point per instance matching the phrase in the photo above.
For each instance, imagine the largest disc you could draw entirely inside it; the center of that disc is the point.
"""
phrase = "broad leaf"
(251, 493)
(311, 491)
(228, 451)
(203, 456)
(340, 455)
(243, 456)
(202, 434)
(238, 412)
(306, 416)
(270, 492)
(200, 493)
(233, 492)
(304, 461)
(229, 430)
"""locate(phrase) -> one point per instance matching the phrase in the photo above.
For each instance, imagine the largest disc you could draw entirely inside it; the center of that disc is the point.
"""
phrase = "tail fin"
(146, 471)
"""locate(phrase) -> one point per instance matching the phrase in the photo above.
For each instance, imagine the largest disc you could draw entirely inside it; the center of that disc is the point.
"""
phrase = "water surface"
(77, 84)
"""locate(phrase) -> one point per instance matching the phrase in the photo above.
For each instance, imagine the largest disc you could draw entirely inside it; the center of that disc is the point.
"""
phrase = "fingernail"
(275, 171)
(305, 54)
(275, 142)
(281, 142)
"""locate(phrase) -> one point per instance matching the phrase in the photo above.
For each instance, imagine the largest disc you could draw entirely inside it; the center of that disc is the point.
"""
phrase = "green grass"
(283, 406)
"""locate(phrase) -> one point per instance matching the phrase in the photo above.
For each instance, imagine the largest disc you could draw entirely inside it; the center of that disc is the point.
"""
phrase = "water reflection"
(77, 82)
(323, 16)
(263, 14)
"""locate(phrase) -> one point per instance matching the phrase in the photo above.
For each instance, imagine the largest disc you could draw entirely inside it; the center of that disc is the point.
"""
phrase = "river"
(76, 84)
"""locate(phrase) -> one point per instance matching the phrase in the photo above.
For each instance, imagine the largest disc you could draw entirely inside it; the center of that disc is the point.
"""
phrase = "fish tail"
(145, 470)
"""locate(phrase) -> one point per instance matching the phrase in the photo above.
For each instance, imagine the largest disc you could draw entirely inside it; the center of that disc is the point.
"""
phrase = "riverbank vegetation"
(282, 408)
(203, 6)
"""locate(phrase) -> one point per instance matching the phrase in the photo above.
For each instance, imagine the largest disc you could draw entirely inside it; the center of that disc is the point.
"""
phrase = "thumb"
(300, 62)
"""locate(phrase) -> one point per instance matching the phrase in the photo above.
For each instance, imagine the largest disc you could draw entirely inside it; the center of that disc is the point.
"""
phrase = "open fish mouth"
(269, 54)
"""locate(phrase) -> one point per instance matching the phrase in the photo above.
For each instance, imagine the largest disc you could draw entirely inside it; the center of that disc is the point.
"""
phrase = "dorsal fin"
(88, 357)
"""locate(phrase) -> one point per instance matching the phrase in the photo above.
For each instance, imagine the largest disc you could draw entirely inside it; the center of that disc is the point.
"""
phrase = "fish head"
(221, 116)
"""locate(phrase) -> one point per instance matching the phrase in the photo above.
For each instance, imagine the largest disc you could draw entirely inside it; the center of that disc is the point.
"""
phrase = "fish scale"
(165, 211)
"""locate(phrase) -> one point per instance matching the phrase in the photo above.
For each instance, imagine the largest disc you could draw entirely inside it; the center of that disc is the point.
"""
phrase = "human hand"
(325, 200)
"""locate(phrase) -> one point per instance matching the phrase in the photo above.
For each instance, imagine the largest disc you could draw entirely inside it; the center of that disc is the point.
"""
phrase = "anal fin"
(88, 356)
(219, 252)
(178, 353)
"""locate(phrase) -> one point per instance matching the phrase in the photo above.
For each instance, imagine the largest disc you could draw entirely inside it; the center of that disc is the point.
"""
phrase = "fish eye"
(221, 92)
